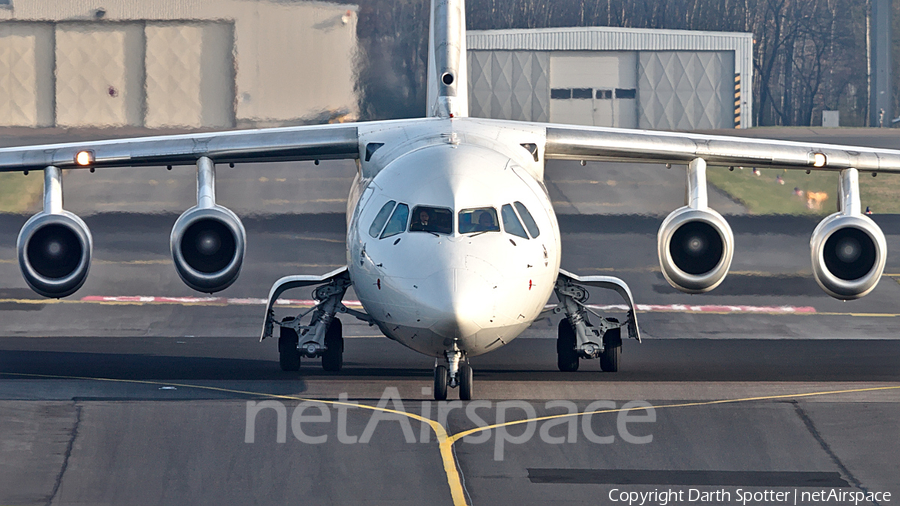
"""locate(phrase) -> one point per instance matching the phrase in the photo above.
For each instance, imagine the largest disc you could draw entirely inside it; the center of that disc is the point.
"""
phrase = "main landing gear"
(577, 337)
(323, 337)
(457, 373)
(290, 352)
(568, 353)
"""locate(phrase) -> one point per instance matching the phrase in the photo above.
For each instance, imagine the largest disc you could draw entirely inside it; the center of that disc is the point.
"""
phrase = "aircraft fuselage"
(453, 243)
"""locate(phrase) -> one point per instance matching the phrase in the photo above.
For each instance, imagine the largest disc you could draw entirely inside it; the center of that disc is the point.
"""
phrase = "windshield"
(511, 222)
(483, 219)
(397, 223)
(436, 220)
(528, 219)
(381, 218)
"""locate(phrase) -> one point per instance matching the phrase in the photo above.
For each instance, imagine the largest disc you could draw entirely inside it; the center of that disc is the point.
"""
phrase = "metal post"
(53, 194)
(880, 91)
(206, 183)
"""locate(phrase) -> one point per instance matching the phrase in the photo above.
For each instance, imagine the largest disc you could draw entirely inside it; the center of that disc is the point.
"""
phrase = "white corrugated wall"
(643, 43)
(176, 63)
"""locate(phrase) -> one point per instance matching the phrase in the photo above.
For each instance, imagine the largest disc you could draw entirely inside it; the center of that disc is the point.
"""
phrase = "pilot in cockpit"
(422, 224)
(485, 222)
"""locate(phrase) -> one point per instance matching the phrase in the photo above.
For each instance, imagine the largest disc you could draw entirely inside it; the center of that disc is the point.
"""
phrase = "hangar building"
(147, 63)
(619, 77)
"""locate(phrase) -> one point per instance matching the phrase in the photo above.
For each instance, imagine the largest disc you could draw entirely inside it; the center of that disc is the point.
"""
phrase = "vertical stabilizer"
(448, 85)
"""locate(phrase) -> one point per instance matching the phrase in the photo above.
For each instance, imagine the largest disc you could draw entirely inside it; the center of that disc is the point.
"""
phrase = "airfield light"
(84, 158)
(819, 160)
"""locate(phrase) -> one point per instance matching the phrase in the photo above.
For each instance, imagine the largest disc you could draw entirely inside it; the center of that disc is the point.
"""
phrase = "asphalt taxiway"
(197, 421)
(137, 390)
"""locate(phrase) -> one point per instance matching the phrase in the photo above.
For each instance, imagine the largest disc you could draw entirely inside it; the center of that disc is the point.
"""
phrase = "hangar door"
(509, 85)
(26, 74)
(98, 74)
(593, 88)
(686, 90)
(189, 75)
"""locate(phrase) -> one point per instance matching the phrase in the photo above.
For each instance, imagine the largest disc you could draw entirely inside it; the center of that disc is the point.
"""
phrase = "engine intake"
(695, 249)
(54, 253)
(208, 247)
(848, 255)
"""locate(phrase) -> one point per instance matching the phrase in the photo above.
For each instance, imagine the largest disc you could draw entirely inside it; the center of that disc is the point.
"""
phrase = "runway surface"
(137, 390)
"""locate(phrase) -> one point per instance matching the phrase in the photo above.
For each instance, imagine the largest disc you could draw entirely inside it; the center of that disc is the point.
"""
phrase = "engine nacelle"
(55, 253)
(207, 245)
(695, 249)
(848, 255)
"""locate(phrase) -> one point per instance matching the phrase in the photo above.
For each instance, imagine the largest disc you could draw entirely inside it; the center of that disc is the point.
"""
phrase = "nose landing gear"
(457, 373)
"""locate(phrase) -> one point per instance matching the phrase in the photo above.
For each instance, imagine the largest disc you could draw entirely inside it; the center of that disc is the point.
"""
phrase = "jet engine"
(207, 245)
(54, 252)
(848, 255)
(695, 248)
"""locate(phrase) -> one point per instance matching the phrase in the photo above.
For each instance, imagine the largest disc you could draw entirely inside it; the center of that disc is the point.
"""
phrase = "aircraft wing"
(617, 144)
(318, 142)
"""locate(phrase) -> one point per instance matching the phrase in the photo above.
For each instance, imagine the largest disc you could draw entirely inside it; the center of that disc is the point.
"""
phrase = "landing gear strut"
(457, 373)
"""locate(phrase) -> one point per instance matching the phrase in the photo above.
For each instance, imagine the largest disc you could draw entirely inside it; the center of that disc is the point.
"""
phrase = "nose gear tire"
(465, 382)
(440, 383)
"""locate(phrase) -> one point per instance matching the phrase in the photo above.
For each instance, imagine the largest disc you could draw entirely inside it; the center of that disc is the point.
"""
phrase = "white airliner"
(453, 247)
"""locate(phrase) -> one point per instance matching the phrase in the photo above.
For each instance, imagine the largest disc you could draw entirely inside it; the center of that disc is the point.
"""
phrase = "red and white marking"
(684, 308)
(644, 308)
(203, 301)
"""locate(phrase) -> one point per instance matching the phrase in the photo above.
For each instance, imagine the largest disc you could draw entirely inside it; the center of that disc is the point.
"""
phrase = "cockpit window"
(381, 218)
(397, 223)
(511, 222)
(528, 219)
(431, 219)
(483, 219)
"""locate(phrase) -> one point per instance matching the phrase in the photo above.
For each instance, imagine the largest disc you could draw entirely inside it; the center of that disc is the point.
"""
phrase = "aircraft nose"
(460, 302)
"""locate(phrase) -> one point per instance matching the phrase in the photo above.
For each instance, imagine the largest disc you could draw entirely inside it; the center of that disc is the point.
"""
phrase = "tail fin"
(448, 84)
